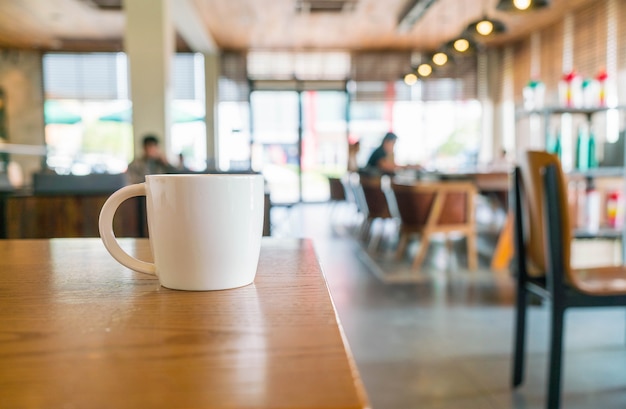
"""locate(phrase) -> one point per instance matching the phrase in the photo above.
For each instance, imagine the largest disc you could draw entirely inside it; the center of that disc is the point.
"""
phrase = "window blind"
(81, 76)
(380, 66)
(183, 76)
(270, 65)
(233, 82)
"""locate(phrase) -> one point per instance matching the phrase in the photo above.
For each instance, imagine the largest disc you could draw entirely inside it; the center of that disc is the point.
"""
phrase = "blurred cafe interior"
(423, 262)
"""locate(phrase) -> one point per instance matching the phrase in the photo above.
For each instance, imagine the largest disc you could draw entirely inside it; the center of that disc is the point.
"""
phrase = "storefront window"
(88, 113)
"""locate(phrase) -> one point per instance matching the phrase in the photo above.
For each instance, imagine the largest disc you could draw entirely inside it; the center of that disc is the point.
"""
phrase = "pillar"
(149, 45)
(211, 80)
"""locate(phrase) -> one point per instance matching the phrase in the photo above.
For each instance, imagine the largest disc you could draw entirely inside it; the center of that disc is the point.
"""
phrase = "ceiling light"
(486, 26)
(410, 79)
(521, 5)
(424, 70)
(440, 58)
(461, 45)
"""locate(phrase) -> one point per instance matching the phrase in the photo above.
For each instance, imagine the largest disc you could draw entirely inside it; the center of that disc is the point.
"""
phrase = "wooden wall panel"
(66, 216)
(551, 67)
(38, 217)
(521, 68)
(590, 36)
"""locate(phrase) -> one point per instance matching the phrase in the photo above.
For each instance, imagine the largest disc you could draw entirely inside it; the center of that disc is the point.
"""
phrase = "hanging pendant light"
(420, 64)
(440, 58)
(410, 79)
(522, 5)
(486, 26)
(424, 69)
(462, 45)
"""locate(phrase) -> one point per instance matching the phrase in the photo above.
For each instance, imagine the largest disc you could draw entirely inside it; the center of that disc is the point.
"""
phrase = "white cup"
(205, 230)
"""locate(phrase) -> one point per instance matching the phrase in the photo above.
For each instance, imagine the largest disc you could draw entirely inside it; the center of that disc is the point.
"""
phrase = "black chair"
(543, 247)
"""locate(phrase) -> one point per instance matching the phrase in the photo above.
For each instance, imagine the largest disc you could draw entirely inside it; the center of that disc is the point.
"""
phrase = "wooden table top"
(77, 330)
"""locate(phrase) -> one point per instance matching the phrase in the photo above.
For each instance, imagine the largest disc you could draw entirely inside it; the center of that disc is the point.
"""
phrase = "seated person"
(152, 162)
(382, 160)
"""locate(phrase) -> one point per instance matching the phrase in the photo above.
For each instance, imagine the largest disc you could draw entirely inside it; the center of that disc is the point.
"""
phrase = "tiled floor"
(444, 340)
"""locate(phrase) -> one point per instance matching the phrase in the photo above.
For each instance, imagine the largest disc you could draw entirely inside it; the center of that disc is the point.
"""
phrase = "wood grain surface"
(49, 216)
(77, 330)
(274, 24)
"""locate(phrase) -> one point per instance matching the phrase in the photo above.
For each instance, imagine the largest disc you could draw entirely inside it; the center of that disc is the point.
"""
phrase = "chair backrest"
(375, 198)
(417, 202)
(532, 202)
(356, 192)
(337, 191)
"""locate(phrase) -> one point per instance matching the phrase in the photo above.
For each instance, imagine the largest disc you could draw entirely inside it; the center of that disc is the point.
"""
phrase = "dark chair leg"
(519, 349)
(556, 353)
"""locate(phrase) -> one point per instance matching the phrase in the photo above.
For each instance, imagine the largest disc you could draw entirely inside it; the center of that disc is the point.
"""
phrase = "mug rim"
(205, 175)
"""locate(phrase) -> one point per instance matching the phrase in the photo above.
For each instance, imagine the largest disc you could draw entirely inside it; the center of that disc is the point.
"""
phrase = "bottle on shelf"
(580, 189)
(582, 149)
(592, 160)
(554, 143)
(592, 207)
(614, 209)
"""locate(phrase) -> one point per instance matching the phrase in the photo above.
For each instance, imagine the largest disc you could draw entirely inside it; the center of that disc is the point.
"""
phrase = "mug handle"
(105, 225)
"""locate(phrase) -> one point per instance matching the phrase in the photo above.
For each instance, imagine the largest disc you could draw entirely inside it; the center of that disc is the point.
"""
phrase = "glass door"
(276, 142)
(299, 139)
(324, 141)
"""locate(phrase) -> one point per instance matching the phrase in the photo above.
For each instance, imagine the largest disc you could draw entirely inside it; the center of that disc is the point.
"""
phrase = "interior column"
(149, 45)
(211, 80)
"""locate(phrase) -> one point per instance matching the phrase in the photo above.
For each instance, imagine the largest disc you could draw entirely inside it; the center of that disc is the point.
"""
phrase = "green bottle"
(557, 145)
(582, 150)
(592, 160)
(554, 144)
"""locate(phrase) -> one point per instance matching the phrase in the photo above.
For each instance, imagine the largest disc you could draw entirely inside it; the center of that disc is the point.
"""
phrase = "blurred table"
(77, 330)
(496, 183)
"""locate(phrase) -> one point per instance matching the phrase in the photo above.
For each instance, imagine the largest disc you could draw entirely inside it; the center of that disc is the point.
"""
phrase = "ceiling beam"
(414, 10)
(188, 24)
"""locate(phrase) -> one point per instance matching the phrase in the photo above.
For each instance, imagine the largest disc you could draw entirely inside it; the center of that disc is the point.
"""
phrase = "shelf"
(609, 171)
(602, 233)
(564, 110)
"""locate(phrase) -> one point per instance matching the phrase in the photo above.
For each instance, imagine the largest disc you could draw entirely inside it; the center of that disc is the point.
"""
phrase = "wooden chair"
(375, 191)
(427, 208)
(337, 190)
(337, 195)
(543, 247)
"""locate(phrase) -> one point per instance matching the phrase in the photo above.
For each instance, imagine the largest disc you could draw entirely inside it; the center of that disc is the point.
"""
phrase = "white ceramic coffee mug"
(205, 230)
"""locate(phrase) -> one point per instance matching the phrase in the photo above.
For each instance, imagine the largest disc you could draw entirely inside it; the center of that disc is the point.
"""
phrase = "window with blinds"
(380, 66)
(233, 82)
(455, 82)
(84, 76)
(104, 76)
(269, 65)
(184, 77)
